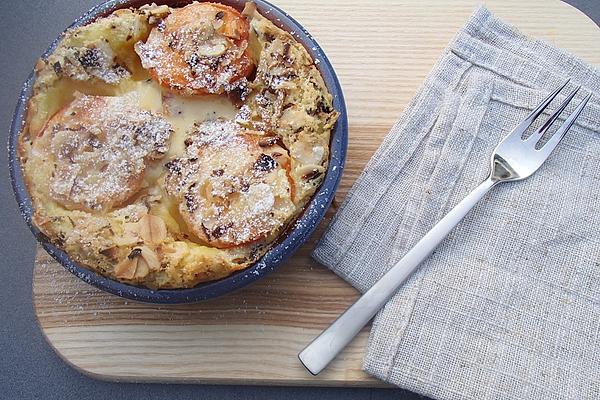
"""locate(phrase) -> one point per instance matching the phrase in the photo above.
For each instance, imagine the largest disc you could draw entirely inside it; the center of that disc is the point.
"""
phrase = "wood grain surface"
(382, 51)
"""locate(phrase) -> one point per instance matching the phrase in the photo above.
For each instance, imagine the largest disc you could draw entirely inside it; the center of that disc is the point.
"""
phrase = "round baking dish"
(295, 236)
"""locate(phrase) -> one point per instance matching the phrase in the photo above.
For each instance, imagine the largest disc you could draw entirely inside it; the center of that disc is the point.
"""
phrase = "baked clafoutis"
(164, 147)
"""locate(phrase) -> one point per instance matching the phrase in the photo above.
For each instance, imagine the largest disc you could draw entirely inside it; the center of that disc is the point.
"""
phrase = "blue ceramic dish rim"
(296, 235)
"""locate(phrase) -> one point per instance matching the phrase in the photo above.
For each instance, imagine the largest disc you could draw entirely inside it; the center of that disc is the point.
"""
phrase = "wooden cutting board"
(381, 51)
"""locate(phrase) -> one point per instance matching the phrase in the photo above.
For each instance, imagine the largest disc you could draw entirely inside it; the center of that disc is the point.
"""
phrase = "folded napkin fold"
(509, 305)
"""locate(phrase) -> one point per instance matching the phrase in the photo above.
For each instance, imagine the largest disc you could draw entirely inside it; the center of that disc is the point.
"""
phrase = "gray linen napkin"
(508, 307)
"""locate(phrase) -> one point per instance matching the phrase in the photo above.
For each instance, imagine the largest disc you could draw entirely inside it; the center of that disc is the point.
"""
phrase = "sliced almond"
(249, 9)
(129, 236)
(154, 12)
(217, 23)
(142, 268)
(110, 252)
(150, 258)
(309, 172)
(137, 264)
(126, 268)
(152, 229)
(211, 50)
(122, 11)
(176, 251)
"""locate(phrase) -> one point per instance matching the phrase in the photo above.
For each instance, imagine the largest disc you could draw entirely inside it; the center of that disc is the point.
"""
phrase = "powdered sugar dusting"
(97, 60)
(194, 52)
(232, 190)
(101, 146)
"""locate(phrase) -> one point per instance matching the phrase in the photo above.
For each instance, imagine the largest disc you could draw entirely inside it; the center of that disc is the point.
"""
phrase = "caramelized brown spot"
(134, 253)
(109, 252)
(238, 95)
(90, 58)
(268, 141)
(311, 175)
(265, 163)
(205, 230)
(190, 203)
(322, 107)
(57, 68)
(220, 231)
(174, 166)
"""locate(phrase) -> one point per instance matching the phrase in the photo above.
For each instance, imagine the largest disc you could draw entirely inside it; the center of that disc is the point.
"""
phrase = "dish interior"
(183, 117)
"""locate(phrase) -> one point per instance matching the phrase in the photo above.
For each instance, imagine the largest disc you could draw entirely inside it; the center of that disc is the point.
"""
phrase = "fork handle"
(330, 342)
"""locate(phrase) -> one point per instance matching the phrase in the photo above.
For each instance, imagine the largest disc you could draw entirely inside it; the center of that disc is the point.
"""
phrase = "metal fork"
(514, 158)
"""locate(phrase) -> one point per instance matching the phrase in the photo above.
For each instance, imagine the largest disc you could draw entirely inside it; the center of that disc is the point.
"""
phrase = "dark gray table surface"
(29, 369)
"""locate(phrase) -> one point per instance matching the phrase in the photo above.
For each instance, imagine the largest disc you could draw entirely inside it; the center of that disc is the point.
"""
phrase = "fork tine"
(522, 127)
(537, 135)
(564, 128)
